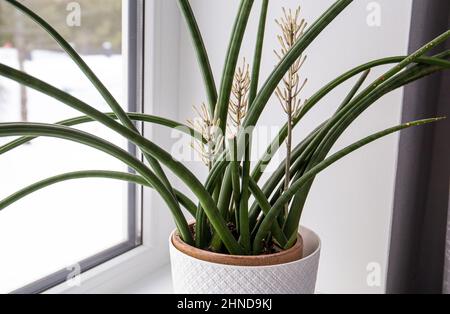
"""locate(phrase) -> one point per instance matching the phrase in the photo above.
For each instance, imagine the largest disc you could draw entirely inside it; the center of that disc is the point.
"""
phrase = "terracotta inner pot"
(288, 256)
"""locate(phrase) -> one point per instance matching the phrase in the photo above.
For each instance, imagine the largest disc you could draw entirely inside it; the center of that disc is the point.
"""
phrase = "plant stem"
(146, 145)
(258, 52)
(277, 75)
(292, 223)
(324, 148)
(234, 164)
(202, 55)
(231, 61)
(287, 177)
(265, 205)
(317, 97)
(96, 82)
(272, 82)
(86, 119)
(266, 225)
(244, 228)
(39, 129)
(90, 174)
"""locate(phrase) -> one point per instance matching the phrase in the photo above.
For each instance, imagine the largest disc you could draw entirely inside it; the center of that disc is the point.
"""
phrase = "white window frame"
(160, 26)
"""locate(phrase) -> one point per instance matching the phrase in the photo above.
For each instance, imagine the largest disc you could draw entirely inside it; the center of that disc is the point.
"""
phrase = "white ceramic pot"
(194, 276)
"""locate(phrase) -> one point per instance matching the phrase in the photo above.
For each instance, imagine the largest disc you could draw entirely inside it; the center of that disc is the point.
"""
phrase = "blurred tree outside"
(101, 23)
(100, 30)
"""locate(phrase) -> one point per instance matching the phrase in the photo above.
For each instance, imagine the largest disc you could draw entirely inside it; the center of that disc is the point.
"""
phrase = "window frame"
(159, 20)
(133, 43)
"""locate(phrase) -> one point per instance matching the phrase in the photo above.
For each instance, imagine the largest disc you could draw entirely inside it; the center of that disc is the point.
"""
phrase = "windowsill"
(158, 282)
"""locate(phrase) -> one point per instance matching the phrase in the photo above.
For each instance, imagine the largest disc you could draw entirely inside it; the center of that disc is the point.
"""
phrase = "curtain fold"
(419, 227)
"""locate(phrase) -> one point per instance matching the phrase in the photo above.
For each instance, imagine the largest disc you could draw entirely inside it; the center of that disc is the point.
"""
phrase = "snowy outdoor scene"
(66, 223)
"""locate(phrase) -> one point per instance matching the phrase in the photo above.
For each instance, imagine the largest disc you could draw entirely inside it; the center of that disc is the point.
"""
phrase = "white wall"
(351, 203)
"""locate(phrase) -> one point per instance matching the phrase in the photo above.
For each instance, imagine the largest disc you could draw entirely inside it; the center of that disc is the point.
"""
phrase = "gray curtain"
(447, 256)
(419, 232)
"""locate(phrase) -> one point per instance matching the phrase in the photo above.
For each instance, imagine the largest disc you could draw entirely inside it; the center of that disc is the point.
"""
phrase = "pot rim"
(300, 244)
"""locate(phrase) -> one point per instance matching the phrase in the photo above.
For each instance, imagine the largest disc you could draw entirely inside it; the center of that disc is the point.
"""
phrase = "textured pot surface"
(196, 276)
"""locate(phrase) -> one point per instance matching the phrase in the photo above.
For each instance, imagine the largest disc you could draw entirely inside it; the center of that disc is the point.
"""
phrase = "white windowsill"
(158, 282)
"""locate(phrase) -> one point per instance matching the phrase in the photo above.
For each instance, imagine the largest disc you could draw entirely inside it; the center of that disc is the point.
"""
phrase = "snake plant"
(235, 213)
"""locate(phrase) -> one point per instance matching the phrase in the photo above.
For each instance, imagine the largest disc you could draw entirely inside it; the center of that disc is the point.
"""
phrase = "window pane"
(69, 222)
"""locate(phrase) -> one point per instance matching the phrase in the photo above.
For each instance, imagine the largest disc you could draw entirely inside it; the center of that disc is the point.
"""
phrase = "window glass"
(57, 227)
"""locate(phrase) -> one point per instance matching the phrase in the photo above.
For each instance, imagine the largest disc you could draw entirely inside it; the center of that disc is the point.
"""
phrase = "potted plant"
(236, 245)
